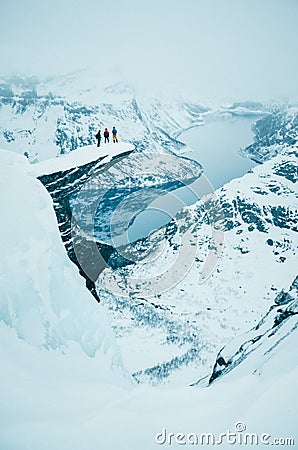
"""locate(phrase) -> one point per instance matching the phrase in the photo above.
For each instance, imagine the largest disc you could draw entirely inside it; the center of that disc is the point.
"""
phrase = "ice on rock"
(43, 298)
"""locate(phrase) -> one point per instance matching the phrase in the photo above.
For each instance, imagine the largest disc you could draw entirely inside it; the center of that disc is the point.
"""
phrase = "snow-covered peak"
(88, 86)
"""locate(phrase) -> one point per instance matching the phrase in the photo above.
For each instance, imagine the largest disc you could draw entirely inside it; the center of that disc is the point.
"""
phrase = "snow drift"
(43, 299)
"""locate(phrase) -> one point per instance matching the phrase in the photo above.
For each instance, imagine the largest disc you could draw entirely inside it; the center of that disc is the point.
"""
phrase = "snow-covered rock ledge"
(81, 157)
(63, 177)
(43, 299)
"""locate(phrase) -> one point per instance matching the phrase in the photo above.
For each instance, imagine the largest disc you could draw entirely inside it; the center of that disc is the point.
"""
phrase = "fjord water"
(216, 146)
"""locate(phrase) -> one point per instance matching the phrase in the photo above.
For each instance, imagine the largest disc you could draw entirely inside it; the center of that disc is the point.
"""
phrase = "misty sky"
(208, 49)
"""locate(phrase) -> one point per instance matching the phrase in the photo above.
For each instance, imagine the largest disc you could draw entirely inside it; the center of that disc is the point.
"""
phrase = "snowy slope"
(190, 322)
(63, 385)
(43, 301)
(55, 396)
(80, 157)
(53, 408)
(274, 132)
(57, 115)
(175, 335)
(253, 349)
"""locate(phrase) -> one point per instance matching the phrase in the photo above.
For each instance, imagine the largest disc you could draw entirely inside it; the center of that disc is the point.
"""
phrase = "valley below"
(157, 275)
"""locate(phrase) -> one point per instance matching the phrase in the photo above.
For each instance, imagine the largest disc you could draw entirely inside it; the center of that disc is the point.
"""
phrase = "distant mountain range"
(175, 335)
(54, 116)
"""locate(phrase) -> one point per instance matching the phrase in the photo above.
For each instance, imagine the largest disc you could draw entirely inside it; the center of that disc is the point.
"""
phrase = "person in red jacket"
(106, 135)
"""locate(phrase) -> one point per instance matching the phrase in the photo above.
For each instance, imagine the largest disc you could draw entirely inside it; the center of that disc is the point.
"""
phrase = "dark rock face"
(82, 186)
(287, 170)
(285, 297)
(273, 132)
(269, 331)
(5, 90)
(61, 186)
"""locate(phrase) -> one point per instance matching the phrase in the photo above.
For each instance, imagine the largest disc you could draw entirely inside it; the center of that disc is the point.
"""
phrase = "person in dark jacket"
(106, 135)
(114, 134)
(98, 137)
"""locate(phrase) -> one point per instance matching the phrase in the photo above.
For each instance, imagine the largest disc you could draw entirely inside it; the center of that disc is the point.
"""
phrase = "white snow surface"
(237, 295)
(43, 299)
(62, 383)
(81, 156)
(46, 406)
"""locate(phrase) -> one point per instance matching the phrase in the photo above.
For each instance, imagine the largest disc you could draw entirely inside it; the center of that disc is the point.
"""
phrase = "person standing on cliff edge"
(106, 135)
(114, 134)
(98, 137)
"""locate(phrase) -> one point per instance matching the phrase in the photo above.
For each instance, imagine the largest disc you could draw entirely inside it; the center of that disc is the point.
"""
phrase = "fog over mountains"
(207, 51)
(184, 331)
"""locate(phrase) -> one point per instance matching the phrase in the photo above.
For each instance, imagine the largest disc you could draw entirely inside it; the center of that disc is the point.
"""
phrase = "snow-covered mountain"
(63, 384)
(65, 375)
(175, 334)
(256, 346)
(164, 338)
(274, 132)
(51, 117)
(48, 117)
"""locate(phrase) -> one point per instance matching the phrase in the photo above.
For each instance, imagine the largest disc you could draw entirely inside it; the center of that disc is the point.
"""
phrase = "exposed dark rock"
(285, 307)
(88, 255)
(273, 132)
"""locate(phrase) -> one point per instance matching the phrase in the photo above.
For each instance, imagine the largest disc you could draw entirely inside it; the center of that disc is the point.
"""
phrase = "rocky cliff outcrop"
(62, 185)
(280, 321)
